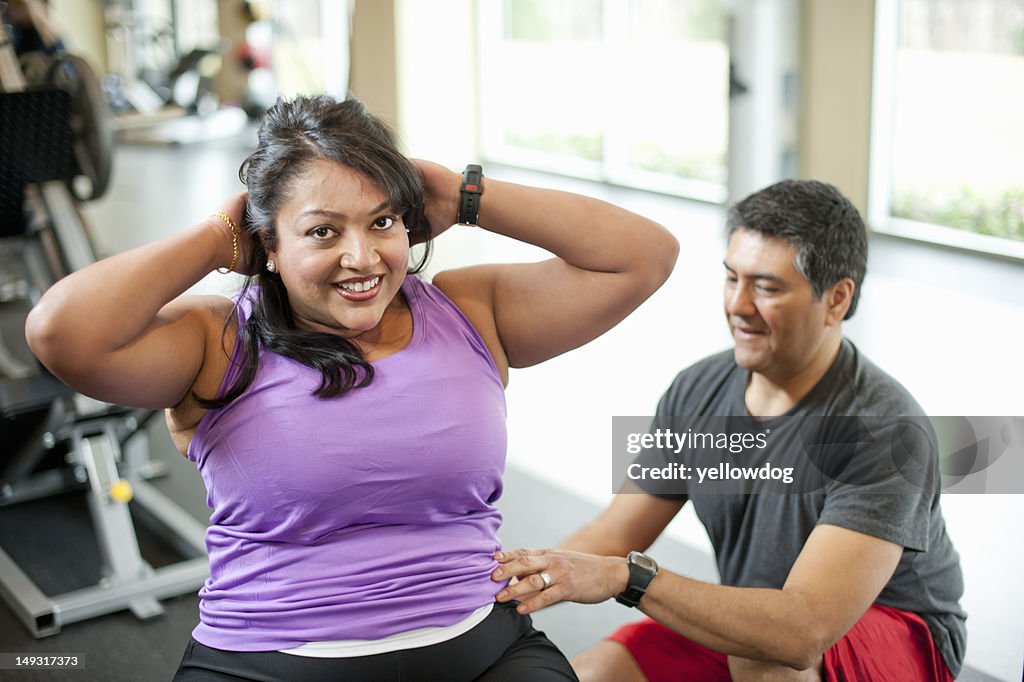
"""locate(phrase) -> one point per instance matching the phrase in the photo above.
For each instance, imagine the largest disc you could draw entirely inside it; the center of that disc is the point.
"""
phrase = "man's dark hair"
(814, 217)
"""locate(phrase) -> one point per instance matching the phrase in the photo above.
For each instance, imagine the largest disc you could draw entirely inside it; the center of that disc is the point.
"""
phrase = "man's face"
(778, 324)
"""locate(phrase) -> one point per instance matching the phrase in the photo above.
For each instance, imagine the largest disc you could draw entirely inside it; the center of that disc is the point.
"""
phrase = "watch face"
(643, 561)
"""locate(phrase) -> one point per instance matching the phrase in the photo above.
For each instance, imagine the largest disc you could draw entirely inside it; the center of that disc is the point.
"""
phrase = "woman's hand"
(571, 576)
(440, 194)
(234, 208)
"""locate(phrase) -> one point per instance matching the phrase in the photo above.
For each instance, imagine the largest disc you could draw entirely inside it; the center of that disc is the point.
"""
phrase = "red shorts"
(885, 645)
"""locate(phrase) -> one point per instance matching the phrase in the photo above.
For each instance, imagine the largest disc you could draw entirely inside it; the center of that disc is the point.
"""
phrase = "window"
(633, 92)
(311, 46)
(948, 123)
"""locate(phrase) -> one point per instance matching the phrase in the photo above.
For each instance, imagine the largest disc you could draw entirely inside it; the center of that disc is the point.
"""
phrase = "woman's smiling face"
(341, 250)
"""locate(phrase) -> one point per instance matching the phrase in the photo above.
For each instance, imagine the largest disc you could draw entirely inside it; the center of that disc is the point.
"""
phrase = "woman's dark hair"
(292, 134)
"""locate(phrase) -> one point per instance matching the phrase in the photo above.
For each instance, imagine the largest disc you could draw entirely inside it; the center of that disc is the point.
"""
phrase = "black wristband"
(642, 570)
(469, 194)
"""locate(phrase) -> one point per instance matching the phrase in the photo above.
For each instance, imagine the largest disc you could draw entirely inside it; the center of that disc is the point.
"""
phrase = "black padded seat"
(29, 394)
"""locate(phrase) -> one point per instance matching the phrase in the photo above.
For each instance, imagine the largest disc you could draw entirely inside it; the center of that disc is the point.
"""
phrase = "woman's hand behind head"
(440, 194)
(234, 209)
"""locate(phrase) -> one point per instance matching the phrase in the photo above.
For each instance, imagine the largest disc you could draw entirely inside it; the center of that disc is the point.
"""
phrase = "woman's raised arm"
(118, 332)
(608, 261)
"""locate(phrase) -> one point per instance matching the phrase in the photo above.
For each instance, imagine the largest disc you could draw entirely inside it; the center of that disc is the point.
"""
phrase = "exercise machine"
(55, 132)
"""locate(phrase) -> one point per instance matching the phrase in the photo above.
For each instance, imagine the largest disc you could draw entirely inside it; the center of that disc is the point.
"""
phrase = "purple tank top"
(361, 516)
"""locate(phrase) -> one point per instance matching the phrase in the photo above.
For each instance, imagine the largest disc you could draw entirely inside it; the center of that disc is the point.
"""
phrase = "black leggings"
(504, 647)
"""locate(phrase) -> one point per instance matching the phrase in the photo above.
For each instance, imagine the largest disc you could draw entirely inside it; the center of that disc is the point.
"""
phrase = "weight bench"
(107, 455)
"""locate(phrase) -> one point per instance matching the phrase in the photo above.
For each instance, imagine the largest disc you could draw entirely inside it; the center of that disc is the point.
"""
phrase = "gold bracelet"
(234, 240)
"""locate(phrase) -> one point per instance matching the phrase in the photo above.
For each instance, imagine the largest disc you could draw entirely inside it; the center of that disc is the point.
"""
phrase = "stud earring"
(271, 266)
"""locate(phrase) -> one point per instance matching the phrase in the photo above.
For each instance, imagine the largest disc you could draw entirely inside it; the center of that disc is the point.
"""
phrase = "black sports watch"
(469, 194)
(642, 570)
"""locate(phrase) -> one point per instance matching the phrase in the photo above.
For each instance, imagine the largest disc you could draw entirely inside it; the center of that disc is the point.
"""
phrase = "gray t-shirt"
(854, 462)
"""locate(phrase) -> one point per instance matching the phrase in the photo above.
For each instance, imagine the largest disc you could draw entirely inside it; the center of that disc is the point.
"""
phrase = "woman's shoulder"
(218, 317)
(445, 292)
(213, 315)
(470, 290)
(468, 287)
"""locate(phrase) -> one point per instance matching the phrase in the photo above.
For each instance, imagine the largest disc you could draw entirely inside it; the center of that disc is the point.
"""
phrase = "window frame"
(611, 170)
(883, 99)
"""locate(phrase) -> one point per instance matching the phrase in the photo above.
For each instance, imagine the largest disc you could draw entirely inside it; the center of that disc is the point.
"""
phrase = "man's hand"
(572, 576)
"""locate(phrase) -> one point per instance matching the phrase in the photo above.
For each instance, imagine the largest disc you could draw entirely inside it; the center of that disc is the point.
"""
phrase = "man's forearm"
(754, 623)
(758, 624)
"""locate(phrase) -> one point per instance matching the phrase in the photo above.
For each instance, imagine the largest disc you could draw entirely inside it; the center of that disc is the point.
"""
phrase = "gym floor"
(156, 191)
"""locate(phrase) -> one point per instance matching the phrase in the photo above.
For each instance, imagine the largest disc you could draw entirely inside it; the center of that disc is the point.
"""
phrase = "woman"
(348, 417)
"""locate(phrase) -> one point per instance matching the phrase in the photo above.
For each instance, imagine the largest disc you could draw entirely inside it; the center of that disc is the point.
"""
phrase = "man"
(848, 573)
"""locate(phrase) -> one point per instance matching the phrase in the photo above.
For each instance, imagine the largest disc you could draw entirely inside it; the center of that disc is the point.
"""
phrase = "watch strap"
(469, 194)
(640, 576)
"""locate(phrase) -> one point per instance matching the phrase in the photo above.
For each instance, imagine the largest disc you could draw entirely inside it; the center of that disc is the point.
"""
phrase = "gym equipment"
(99, 448)
(92, 131)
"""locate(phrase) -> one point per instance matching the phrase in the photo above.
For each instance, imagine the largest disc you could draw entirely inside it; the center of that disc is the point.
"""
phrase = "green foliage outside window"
(652, 157)
(577, 145)
(997, 215)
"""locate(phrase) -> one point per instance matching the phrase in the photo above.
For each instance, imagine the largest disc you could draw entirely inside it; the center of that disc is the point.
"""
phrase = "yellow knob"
(121, 491)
